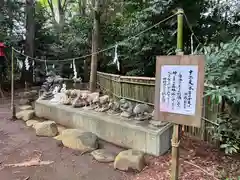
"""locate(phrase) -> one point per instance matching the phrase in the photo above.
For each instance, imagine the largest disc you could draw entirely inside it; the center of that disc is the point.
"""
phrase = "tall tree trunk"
(1, 6)
(95, 44)
(30, 36)
(82, 7)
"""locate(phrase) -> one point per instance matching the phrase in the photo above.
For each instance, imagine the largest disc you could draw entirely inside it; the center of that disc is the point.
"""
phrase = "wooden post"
(177, 128)
(12, 88)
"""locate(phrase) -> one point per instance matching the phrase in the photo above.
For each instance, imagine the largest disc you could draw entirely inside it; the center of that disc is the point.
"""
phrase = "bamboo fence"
(142, 90)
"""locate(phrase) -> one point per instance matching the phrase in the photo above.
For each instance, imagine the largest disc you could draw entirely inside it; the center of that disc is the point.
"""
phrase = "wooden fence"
(142, 90)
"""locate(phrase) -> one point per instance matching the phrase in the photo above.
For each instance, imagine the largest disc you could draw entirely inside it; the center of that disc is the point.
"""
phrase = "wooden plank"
(194, 120)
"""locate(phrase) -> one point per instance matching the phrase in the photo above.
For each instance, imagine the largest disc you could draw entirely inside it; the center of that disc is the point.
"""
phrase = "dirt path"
(199, 161)
(18, 143)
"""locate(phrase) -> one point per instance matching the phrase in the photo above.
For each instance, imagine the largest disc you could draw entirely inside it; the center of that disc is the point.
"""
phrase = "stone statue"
(88, 99)
(77, 101)
(64, 88)
(48, 86)
(114, 107)
(56, 95)
(126, 108)
(142, 112)
(102, 103)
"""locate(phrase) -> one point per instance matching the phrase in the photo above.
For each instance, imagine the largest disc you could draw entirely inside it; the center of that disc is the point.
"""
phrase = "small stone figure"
(142, 112)
(57, 96)
(102, 103)
(114, 107)
(77, 101)
(48, 86)
(64, 88)
(126, 107)
(88, 99)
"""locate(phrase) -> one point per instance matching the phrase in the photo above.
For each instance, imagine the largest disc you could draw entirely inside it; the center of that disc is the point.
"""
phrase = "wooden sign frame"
(189, 120)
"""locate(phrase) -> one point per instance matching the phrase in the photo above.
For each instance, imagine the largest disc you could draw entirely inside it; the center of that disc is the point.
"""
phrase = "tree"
(30, 37)
(95, 44)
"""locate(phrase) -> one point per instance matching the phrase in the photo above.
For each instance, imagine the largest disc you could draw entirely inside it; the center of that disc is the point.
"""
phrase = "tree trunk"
(30, 36)
(82, 7)
(1, 6)
(95, 44)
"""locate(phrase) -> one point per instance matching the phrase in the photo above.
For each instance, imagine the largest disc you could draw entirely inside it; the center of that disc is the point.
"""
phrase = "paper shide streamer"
(27, 65)
(115, 60)
(74, 69)
(19, 64)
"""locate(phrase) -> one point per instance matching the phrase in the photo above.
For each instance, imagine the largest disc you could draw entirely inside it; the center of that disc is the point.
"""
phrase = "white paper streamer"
(71, 65)
(74, 70)
(115, 60)
(27, 65)
(53, 66)
(33, 64)
(19, 64)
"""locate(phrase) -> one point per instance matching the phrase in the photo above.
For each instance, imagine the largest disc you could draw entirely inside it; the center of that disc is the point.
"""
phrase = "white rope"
(103, 50)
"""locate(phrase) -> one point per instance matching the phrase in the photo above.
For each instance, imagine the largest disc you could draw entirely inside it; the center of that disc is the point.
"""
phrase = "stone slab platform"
(111, 128)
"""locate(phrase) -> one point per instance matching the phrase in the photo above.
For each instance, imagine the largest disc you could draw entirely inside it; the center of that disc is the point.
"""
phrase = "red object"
(2, 46)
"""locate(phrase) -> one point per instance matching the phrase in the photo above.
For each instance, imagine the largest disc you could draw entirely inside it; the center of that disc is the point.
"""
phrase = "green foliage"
(223, 81)
(223, 70)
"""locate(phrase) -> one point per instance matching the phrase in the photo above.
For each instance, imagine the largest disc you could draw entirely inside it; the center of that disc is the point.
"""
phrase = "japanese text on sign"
(178, 89)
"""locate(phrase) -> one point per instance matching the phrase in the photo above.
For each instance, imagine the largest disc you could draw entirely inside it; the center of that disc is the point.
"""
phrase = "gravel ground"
(198, 160)
(19, 143)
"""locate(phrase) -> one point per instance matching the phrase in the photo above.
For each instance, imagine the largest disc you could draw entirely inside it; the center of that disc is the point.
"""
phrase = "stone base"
(111, 128)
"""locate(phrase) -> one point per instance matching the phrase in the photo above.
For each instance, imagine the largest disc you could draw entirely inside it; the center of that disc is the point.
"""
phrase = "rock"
(32, 123)
(47, 128)
(68, 132)
(25, 107)
(25, 115)
(125, 114)
(129, 160)
(158, 123)
(59, 137)
(101, 155)
(60, 128)
(86, 141)
(59, 143)
(64, 133)
(71, 132)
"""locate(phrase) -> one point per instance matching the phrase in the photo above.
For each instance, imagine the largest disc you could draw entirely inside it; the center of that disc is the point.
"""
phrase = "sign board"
(179, 89)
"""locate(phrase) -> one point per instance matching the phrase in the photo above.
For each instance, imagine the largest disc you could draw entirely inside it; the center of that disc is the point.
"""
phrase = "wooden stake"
(12, 87)
(177, 128)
